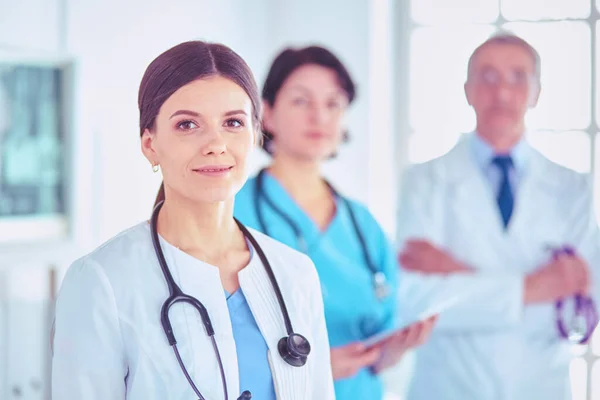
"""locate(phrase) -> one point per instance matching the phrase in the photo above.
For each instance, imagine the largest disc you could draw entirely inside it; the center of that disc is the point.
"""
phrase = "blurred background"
(72, 174)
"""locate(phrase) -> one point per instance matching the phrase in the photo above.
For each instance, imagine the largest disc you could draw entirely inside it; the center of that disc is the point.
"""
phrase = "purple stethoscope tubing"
(584, 307)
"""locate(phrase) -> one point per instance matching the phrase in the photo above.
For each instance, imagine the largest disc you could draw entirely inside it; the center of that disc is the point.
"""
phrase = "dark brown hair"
(290, 60)
(185, 63)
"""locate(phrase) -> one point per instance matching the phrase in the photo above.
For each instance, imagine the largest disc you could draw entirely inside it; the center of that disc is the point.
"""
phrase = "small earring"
(155, 168)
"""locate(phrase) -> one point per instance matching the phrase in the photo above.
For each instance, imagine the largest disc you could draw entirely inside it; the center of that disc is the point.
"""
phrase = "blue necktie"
(505, 195)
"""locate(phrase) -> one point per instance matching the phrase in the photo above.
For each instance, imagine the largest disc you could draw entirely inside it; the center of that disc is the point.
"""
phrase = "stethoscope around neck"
(293, 348)
(380, 285)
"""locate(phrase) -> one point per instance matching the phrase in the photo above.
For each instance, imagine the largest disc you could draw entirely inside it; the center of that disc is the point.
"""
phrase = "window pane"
(545, 9)
(596, 342)
(570, 149)
(578, 350)
(438, 69)
(443, 11)
(425, 146)
(595, 378)
(565, 53)
(578, 374)
(597, 199)
(597, 70)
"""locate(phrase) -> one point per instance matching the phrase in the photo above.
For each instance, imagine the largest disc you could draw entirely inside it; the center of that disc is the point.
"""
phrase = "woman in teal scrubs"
(306, 94)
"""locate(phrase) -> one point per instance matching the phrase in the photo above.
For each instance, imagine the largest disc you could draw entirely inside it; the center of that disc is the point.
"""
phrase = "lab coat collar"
(484, 153)
(462, 166)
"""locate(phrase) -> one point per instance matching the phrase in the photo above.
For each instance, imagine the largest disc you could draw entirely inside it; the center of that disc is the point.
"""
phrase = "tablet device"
(434, 309)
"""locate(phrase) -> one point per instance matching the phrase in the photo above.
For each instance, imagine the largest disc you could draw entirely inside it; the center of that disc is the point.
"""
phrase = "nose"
(320, 115)
(215, 144)
(503, 93)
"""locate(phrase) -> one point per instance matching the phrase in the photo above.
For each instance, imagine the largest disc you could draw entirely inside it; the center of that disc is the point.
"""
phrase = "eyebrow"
(195, 114)
(338, 91)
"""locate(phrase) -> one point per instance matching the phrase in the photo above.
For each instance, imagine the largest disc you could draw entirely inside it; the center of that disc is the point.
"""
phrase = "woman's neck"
(304, 184)
(205, 230)
(302, 180)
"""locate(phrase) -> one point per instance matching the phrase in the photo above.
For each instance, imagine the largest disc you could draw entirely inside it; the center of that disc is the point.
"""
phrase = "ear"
(267, 118)
(468, 93)
(147, 144)
(534, 95)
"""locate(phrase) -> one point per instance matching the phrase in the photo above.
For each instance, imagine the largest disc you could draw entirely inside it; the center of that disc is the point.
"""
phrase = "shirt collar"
(483, 153)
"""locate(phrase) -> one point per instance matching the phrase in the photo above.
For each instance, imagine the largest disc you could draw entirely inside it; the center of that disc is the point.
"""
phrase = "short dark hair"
(185, 63)
(289, 60)
(508, 38)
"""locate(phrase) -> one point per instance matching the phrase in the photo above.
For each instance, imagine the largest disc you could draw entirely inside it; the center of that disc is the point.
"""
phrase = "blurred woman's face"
(202, 139)
(306, 118)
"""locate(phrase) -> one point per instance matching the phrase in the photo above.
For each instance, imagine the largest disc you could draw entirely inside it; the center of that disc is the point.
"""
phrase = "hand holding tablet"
(394, 345)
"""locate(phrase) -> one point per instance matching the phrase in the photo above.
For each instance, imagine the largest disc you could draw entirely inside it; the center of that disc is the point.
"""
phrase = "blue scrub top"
(251, 348)
(352, 311)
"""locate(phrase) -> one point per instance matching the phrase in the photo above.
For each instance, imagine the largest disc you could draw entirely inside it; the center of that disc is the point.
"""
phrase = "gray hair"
(508, 38)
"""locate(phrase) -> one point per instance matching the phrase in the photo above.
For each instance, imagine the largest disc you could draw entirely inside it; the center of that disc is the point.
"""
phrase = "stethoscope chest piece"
(584, 318)
(380, 285)
(294, 349)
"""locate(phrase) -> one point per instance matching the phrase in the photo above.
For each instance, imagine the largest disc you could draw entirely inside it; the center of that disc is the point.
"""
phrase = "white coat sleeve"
(488, 301)
(88, 354)
(323, 375)
(583, 227)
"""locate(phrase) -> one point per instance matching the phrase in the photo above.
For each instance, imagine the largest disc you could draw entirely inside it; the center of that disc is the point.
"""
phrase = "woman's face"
(306, 118)
(202, 137)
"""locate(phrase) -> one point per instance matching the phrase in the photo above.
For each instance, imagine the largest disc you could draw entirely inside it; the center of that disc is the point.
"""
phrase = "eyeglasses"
(493, 78)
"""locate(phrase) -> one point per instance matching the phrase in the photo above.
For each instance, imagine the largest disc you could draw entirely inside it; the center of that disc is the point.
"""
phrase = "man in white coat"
(482, 219)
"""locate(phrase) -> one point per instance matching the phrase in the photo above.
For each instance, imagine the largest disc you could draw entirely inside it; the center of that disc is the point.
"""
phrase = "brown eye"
(334, 105)
(519, 78)
(234, 123)
(490, 77)
(186, 125)
(299, 101)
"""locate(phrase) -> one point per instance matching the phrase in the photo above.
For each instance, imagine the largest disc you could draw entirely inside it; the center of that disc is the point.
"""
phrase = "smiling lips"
(214, 170)
(315, 135)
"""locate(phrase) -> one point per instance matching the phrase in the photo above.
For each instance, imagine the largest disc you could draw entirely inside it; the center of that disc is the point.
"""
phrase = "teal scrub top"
(352, 310)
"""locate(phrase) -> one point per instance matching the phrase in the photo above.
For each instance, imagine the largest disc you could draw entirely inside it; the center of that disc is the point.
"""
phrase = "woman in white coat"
(191, 304)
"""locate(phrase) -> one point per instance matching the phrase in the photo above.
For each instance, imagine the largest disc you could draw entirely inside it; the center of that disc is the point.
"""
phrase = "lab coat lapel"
(470, 194)
(202, 281)
(290, 382)
(473, 230)
(536, 220)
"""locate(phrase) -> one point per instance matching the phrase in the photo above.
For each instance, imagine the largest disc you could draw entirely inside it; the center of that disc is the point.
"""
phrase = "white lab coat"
(109, 343)
(492, 347)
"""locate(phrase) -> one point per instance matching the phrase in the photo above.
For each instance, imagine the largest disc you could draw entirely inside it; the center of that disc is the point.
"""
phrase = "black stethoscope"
(380, 285)
(294, 348)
